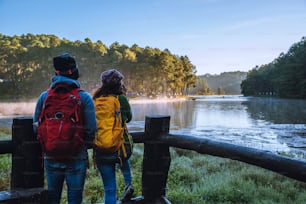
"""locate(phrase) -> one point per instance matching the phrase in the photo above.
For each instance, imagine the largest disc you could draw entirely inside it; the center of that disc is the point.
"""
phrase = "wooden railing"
(27, 173)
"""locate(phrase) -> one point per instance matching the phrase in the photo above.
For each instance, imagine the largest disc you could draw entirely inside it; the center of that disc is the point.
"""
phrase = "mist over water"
(17, 108)
(14, 109)
(277, 125)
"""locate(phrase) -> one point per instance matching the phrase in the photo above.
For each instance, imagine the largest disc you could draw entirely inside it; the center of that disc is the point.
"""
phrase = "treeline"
(225, 83)
(26, 66)
(284, 77)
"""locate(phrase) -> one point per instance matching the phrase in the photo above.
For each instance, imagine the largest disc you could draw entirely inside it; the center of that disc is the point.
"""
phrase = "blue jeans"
(126, 172)
(108, 174)
(73, 171)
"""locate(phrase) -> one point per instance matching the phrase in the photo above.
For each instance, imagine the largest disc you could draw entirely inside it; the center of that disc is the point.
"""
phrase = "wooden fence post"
(156, 160)
(27, 171)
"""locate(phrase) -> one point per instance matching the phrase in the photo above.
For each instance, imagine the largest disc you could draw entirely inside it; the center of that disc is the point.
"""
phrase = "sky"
(216, 35)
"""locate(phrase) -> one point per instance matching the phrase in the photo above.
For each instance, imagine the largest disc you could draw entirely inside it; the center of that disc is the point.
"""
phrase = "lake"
(277, 125)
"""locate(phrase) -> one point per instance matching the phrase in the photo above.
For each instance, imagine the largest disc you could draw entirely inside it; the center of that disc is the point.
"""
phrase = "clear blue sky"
(217, 35)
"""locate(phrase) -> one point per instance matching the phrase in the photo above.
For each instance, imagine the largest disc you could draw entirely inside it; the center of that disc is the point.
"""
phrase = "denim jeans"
(126, 172)
(73, 171)
(108, 174)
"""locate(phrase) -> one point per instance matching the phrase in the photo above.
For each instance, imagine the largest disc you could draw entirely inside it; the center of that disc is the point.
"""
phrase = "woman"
(106, 162)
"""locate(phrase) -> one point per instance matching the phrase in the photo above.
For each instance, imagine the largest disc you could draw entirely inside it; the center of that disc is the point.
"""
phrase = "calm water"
(278, 125)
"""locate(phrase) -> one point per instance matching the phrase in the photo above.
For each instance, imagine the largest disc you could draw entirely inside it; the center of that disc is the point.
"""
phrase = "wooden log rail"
(292, 168)
(27, 179)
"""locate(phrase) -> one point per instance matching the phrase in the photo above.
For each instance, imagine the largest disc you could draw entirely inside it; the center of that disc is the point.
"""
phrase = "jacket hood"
(62, 79)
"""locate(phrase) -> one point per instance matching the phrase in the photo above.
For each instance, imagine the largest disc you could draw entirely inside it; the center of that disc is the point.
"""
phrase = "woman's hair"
(123, 89)
(107, 90)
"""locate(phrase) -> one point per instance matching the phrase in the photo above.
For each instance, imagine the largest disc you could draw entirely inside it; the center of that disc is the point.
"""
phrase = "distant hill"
(227, 81)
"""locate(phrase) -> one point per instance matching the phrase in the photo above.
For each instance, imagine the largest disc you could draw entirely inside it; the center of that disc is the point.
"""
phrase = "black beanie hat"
(65, 65)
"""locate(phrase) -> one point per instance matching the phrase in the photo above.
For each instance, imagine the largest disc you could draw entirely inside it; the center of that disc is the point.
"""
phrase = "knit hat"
(111, 77)
(65, 65)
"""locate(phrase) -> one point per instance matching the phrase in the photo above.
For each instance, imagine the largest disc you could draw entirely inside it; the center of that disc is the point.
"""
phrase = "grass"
(5, 134)
(194, 178)
(5, 162)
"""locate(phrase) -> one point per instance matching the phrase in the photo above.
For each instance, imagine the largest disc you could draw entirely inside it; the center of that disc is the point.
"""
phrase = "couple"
(73, 171)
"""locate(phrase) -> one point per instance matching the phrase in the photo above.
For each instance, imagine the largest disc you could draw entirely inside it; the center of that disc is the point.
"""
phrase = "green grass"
(194, 179)
(5, 134)
(5, 171)
(5, 162)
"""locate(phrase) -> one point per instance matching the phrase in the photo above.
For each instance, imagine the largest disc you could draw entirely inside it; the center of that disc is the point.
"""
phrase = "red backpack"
(60, 127)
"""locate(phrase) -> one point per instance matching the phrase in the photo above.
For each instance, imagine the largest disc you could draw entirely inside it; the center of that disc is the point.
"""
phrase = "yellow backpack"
(110, 131)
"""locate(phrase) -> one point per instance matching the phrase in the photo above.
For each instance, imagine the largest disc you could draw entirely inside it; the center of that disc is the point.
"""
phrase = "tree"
(220, 91)
(284, 76)
(26, 62)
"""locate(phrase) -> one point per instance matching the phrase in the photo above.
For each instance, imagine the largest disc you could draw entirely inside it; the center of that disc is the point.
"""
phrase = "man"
(72, 170)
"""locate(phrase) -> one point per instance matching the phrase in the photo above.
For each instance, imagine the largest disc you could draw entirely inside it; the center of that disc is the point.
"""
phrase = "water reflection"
(203, 112)
(223, 113)
(285, 117)
(270, 124)
(277, 125)
(182, 113)
(277, 111)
